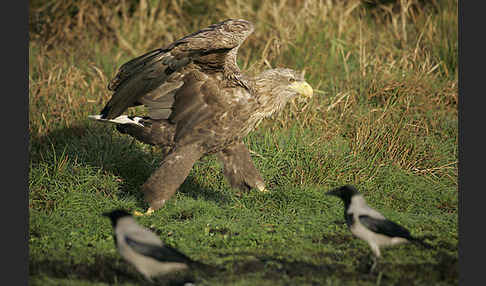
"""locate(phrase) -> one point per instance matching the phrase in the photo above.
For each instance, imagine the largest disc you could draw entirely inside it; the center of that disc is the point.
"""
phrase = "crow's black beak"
(334, 192)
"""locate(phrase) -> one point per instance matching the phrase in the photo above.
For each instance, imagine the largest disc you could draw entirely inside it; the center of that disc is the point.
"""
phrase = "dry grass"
(382, 75)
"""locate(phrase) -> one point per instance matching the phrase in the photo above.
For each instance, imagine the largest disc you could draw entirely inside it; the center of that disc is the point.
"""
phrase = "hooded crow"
(370, 225)
(143, 249)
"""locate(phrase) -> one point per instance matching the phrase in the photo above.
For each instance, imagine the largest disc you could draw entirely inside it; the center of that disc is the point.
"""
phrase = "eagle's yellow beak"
(302, 88)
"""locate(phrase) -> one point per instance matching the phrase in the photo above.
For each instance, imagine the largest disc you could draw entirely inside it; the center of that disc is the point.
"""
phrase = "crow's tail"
(421, 242)
(208, 269)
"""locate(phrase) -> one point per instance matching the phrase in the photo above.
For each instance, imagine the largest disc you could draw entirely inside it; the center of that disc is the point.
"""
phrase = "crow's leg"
(375, 263)
(375, 249)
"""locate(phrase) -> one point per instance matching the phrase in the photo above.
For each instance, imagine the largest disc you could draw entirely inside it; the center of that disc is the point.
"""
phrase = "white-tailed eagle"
(199, 103)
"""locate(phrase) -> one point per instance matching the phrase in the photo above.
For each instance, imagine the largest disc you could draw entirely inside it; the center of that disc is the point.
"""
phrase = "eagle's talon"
(148, 212)
(263, 189)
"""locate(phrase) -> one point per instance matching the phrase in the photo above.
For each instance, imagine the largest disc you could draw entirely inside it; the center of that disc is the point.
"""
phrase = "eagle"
(198, 103)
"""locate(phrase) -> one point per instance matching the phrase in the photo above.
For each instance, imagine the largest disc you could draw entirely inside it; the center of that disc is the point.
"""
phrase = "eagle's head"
(275, 87)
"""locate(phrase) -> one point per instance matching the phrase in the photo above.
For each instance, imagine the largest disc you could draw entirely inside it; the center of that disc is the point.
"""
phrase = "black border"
(460, 175)
(471, 125)
(15, 139)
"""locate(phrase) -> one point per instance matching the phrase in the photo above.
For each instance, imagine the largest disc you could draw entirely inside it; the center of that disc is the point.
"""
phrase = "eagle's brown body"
(199, 103)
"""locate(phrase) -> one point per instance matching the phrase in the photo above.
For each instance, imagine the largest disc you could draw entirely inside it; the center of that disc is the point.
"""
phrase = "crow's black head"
(345, 192)
(115, 215)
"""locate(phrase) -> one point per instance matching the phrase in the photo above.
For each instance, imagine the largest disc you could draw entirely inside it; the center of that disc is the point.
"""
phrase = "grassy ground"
(384, 118)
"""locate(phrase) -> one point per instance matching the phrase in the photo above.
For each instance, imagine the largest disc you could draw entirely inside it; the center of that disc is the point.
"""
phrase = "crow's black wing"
(384, 226)
(160, 253)
(349, 219)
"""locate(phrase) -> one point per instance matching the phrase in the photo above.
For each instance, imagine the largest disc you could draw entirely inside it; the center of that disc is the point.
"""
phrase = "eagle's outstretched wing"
(153, 78)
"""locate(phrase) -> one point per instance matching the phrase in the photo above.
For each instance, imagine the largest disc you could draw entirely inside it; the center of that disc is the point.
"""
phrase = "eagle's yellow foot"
(149, 212)
(262, 188)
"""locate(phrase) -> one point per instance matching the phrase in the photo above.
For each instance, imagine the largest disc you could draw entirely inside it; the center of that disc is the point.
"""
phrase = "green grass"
(383, 118)
(294, 234)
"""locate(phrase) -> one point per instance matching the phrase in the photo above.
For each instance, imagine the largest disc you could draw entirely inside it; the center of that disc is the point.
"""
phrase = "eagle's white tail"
(122, 119)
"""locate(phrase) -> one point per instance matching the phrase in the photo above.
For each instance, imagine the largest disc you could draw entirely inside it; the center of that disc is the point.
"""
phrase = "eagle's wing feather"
(159, 102)
(153, 78)
(134, 66)
(192, 104)
(147, 80)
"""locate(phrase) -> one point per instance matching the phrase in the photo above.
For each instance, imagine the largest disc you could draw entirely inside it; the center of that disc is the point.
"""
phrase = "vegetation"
(383, 118)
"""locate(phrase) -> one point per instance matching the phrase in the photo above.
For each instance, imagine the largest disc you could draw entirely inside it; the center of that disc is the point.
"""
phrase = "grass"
(384, 118)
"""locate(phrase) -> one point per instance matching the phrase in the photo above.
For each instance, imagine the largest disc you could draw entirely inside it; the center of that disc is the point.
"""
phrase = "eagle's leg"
(142, 134)
(165, 181)
(152, 133)
(239, 169)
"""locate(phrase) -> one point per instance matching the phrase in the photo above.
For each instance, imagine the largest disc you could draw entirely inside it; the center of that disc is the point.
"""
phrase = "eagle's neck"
(271, 95)
(270, 98)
